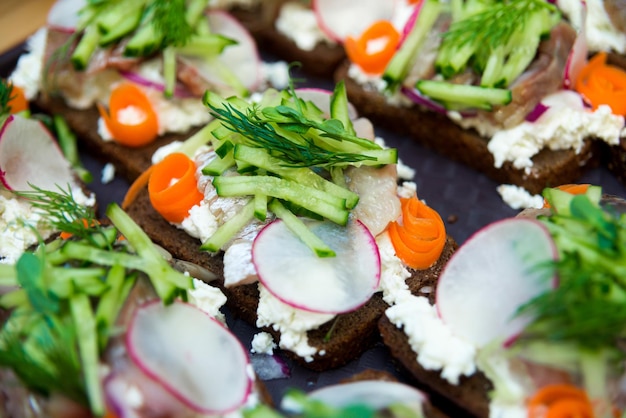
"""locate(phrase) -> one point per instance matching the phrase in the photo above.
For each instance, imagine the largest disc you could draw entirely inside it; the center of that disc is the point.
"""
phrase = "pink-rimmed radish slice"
(321, 99)
(294, 274)
(339, 19)
(64, 16)
(377, 394)
(577, 57)
(243, 59)
(30, 155)
(499, 268)
(192, 355)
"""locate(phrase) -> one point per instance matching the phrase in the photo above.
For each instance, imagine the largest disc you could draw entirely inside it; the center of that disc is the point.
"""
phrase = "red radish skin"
(27, 150)
(490, 276)
(292, 273)
(179, 345)
(339, 19)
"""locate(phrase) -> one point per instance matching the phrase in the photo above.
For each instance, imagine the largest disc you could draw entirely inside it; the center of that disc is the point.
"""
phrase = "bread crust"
(437, 132)
(352, 333)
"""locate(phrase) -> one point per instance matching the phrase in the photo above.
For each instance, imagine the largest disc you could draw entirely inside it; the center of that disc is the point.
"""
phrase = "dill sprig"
(260, 132)
(6, 94)
(169, 18)
(63, 213)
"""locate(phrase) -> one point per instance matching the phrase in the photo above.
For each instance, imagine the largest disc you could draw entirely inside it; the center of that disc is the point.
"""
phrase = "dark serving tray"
(465, 199)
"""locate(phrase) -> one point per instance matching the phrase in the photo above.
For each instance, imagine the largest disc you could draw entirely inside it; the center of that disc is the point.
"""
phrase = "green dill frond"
(170, 21)
(260, 133)
(63, 212)
(6, 94)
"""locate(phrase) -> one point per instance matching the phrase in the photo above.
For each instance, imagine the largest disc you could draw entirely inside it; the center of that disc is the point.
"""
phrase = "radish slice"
(321, 99)
(64, 16)
(179, 90)
(339, 19)
(295, 275)
(577, 57)
(30, 155)
(491, 276)
(242, 59)
(191, 355)
(376, 394)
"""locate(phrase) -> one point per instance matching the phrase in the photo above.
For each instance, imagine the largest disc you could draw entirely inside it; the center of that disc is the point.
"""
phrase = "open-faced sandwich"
(129, 77)
(96, 322)
(297, 207)
(532, 308)
(492, 84)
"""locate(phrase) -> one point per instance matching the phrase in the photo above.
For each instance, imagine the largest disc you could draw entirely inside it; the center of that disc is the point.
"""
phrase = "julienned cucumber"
(463, 96)
(339, 107)
(402, 61)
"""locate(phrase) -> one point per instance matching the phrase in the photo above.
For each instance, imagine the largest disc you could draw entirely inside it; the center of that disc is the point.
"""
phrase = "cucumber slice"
(339, 107)
(463, 96)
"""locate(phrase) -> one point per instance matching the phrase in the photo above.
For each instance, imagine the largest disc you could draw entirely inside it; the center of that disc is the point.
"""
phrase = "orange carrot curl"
(420, 238)
(127, 97)
(173, 187)
(600, 83)
(375, 48)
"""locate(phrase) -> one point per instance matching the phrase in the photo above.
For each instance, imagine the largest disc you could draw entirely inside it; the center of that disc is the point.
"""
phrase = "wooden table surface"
(19, 19)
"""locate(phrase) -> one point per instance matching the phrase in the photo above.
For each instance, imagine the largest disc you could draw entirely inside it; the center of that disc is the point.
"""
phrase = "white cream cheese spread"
(298, 23)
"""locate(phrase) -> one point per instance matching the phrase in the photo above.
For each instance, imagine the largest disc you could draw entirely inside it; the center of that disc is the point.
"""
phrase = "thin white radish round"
(491, 275)
(30, 155)
(191, 355)
(242, 59)
(377, 394)
(293, 273)
(339, 19)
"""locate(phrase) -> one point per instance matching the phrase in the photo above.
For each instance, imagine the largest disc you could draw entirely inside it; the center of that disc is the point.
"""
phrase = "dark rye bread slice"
(436, 131)
(352, 333)
(321, 61)
(129, 162)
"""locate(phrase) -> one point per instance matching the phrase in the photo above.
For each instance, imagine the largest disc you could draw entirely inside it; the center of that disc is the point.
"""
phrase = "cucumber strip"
(85, 325)
(85, 48)
(111, 301)
(260, 206)
(339, 107)
(227, 230)
(200, 138)
(69, 281)
(14, 299)
(316, 201)
(116, 27)
(219, 165)
(262, 159)
(298, 227)
(169, 71)
(68, 143)
(204, 46)
(144, 42)
(455, 96)
(402, 61)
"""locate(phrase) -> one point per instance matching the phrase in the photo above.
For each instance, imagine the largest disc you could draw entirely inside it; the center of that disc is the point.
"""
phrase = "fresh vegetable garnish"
(498, 39)
(173, 187)
(374, 48)
(68, 294)
(507, 262)
(571, 189)
(324, 284)
(180, 346)
(17, 102)
(560, 401)
(420, 236)
(131, 119)
(603, 84)
(580, 323)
